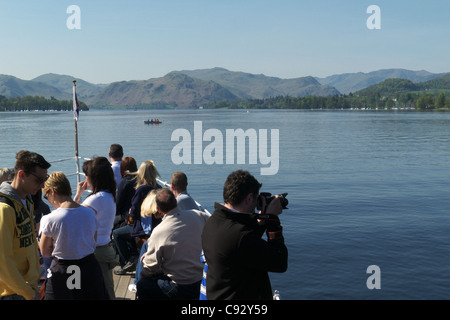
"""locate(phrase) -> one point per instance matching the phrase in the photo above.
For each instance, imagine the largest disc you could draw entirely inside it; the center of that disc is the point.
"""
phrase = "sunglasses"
(46, 195)
(40, 179)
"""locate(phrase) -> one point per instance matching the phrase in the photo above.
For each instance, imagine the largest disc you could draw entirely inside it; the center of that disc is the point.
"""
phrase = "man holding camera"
(238, 258)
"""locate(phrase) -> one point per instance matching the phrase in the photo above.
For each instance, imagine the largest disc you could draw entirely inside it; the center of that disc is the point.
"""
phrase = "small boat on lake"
(153, 121)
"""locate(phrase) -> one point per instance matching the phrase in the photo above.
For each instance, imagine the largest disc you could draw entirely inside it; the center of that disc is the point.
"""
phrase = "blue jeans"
(12, 297)
(162, 288)
(139, 264)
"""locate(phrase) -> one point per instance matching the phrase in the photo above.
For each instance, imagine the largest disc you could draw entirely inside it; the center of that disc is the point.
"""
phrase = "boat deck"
(121, 286)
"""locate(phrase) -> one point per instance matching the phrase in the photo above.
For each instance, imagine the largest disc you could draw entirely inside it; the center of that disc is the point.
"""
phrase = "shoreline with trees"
(37, 103)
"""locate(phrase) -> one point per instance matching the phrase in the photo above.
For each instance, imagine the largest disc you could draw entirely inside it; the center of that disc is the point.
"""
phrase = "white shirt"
(105, 210)
(115, 165)
(72, 230)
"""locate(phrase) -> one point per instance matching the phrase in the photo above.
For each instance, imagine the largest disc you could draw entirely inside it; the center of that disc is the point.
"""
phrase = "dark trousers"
(162, 288)
(125, 244)
(60, 284)
(12, 297)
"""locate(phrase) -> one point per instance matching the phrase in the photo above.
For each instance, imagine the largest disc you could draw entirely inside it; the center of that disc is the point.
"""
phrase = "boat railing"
(78, 174)
(77, 160)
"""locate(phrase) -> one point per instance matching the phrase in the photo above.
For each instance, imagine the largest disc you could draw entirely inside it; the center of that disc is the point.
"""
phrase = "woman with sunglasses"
(102, 199)
(68, 240)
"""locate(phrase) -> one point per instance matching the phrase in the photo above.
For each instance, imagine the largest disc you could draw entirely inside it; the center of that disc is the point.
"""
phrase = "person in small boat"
(100, 179)
(138, 226)
(68, 239)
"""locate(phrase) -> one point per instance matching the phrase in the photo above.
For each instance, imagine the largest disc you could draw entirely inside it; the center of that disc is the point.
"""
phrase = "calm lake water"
(365, 187)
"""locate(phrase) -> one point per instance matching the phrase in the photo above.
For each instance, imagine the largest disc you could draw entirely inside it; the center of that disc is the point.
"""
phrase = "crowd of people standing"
(121, 220)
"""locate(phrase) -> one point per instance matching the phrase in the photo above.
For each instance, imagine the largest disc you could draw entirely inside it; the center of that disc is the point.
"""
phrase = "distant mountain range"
(251, 86)
(14, 87)
(187, 88)
(174, 90)
(352, 82)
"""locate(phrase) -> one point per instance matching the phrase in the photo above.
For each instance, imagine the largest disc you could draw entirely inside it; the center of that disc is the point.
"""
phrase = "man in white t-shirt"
(115, 156)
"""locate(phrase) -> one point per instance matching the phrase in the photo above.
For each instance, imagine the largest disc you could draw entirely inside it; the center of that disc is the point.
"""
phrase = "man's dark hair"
(116, 151)
(165, 200)
(28, 161)
(179, 181)
(238, 185)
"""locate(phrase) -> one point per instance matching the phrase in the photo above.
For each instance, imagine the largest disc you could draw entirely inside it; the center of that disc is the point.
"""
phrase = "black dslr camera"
(268, 196)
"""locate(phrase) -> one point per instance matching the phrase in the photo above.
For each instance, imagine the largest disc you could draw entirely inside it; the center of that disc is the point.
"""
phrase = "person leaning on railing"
(100, 179)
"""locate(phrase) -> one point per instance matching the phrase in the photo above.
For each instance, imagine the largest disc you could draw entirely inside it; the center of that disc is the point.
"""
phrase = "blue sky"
(143, 39)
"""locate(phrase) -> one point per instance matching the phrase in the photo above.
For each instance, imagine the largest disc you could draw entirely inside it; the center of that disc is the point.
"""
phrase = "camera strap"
(272, 223)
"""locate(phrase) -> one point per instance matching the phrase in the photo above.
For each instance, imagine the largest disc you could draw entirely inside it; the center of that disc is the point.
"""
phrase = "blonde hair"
(59, 183)
(146, 174)
(148, 206)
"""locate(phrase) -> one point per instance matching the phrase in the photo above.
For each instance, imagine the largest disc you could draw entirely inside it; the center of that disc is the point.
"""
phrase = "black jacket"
(125, 192)
(238, 258)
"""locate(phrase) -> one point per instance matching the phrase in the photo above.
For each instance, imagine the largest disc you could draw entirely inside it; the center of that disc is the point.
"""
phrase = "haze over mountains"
(251, 86)
(352, 82)
(189, 88)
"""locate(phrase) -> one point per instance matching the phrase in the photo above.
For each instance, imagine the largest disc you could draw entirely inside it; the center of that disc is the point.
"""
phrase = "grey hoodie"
(10, 192)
